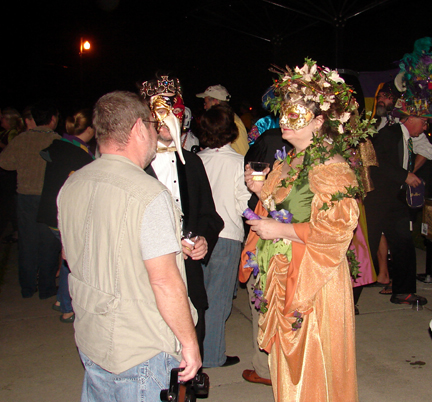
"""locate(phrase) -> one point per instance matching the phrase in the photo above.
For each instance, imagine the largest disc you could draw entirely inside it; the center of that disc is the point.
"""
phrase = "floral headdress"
(416, 72)
(335, 102)
(320, 85)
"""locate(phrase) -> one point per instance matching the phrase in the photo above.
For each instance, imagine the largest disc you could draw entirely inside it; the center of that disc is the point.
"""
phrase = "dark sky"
(202, 42)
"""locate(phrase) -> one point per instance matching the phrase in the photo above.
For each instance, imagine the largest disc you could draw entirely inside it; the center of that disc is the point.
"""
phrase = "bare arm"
(171, 299)
(269, 229)
(419, 162)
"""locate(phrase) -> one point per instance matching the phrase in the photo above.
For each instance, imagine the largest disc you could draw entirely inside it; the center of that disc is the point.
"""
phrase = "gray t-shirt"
(158, 235)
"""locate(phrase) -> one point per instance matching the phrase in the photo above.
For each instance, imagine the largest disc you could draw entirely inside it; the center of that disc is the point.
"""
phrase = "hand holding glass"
(190, 238)
(258, 170)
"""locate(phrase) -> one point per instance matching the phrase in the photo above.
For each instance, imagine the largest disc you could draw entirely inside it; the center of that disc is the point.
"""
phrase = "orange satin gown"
(317, 362)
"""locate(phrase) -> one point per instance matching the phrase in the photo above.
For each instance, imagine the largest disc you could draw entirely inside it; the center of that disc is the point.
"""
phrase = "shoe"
(252, 376)
(230, 361)
(410, 298)
(378, 284)
(55, 307)
(69, 320)
(387, 290)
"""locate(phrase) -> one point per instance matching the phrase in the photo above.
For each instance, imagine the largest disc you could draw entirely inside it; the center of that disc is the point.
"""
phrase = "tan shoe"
(252, 376)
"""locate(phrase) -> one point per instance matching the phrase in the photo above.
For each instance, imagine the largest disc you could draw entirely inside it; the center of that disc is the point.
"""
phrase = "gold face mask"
(160, 108)
(295, 117)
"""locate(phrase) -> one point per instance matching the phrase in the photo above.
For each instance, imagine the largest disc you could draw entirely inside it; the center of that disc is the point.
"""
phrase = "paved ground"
(39, 361)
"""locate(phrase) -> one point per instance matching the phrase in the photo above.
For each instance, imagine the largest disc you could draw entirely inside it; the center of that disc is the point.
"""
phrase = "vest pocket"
(91, 299)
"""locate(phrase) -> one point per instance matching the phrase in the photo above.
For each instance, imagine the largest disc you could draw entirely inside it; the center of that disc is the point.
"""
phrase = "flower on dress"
(252, 263)
(259, 302)
(282, 215)
(298, 322)
(281, 155)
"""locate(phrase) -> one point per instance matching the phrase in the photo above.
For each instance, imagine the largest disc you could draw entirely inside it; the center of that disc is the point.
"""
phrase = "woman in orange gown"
(307, 325)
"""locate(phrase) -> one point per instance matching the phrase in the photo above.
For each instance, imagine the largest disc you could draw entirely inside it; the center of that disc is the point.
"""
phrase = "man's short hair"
(115, 114)
(43, 112)
(390, 89)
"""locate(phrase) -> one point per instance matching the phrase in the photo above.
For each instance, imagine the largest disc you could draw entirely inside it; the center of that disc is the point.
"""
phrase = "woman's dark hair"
(43, 111)
(218, 127)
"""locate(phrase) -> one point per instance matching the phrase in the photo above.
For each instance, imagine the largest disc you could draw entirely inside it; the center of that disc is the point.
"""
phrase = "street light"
(84, 48)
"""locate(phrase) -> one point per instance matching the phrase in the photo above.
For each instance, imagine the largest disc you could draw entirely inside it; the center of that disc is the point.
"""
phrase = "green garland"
(317, 153)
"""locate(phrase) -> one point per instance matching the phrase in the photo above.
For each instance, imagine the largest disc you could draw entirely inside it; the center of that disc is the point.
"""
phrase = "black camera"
(187, 391)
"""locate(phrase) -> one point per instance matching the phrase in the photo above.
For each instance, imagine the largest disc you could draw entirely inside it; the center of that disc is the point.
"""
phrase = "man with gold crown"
(386, 209)
(184, 175)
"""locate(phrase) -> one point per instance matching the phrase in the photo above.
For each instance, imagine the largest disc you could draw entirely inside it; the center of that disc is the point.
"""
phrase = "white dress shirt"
(406, 136)
(165, 167)
(421, 145)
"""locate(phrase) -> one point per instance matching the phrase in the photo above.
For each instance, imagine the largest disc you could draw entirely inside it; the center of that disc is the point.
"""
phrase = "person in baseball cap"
(218, 95)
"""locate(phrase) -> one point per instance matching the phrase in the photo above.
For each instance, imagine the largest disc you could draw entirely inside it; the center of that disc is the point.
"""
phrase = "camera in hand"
(187, 391)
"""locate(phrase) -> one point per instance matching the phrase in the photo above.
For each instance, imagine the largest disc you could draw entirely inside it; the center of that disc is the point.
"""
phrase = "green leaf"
(324, 207)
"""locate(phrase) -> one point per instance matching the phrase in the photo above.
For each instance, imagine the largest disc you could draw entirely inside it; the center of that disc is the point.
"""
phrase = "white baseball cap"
(217, 92)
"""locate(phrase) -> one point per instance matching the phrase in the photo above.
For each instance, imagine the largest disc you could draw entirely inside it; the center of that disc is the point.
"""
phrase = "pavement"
(39, 361)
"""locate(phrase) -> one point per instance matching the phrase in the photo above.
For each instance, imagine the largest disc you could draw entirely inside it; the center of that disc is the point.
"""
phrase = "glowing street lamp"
(84, 46)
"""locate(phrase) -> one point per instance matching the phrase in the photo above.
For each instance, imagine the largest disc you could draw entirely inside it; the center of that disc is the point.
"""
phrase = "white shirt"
(165, 167)
(421, 145)
(225, 171)
(406, 136)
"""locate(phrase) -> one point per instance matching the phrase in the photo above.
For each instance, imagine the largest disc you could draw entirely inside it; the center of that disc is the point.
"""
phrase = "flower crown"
(320, 85)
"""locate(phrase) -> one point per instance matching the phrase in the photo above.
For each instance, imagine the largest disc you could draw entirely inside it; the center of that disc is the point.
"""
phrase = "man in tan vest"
(120, 230)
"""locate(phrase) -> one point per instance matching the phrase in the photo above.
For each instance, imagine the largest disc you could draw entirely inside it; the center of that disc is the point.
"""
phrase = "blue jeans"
(220, 278)
(38, 250)
(63, 295)
(142, 383)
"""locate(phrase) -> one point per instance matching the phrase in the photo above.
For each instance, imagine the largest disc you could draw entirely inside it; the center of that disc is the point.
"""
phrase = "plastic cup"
(258, 170)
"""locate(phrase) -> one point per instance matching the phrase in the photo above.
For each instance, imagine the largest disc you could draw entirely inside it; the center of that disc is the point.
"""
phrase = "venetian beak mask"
(295, 116)
(162, 109)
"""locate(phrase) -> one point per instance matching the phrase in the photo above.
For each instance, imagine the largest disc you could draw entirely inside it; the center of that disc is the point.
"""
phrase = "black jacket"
(200, 217)
(63, 158)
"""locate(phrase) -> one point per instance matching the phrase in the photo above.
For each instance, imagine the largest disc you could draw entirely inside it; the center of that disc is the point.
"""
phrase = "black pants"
(200, 331)
(392, 219)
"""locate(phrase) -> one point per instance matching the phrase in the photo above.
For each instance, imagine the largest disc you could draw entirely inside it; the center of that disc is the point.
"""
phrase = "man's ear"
(137, 131)
(54, 121)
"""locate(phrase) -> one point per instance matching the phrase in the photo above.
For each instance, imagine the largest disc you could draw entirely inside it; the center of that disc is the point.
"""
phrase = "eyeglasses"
(425, 122)
(155, 123)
